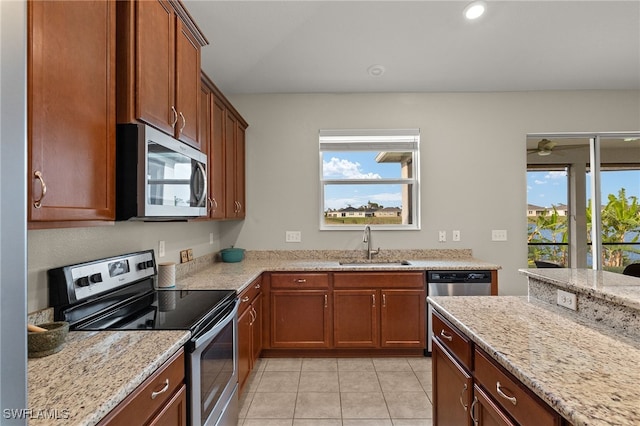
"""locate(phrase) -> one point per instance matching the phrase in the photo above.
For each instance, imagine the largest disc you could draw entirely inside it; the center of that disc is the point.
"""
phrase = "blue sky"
(550, 188)
(359, 165)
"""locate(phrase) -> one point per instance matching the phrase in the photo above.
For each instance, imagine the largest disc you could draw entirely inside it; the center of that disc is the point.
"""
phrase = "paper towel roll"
(166, 274)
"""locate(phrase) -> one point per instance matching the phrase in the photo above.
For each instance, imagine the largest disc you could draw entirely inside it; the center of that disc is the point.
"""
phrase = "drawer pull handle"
(464, 389)
(257, 286)
(513, 399)
(445, 335)
(300, 280)
(161, 391)
(473, 410)
(245, 299)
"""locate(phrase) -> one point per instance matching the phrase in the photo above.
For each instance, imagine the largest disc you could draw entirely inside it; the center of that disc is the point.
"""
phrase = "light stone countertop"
(582, 369)
(616, 288)
(237, 276)
(94, 372)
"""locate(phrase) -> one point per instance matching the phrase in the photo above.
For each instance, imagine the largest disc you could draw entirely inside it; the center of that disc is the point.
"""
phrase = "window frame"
(371, 140)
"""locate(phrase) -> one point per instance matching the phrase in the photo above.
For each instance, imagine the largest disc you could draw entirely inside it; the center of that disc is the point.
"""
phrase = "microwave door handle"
(200, 197)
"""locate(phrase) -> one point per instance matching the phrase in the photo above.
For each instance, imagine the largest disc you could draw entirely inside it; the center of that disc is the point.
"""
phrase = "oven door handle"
(218, 327)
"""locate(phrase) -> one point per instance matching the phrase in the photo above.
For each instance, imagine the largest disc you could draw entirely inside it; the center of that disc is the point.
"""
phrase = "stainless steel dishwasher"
(455, 283)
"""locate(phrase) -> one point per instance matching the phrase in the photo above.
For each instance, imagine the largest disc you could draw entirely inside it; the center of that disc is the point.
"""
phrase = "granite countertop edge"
(609, 286)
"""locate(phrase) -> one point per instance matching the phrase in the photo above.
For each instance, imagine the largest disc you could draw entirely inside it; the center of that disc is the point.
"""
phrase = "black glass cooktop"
(164, 310)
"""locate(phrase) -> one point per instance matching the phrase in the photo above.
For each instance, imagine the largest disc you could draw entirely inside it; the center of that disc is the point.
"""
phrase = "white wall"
(473, 164)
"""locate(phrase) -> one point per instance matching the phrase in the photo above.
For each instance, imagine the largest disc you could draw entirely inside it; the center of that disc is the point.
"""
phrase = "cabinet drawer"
(150, 396)
(511, 395)
(300, 280)
(378, 279)
(454, 341)
(250, 293)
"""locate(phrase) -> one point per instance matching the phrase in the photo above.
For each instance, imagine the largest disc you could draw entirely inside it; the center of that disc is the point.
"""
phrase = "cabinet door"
(355, 318)
(71, 110)
(256, 329)
(187, 86)
(403, 318)
(155, 64)
(239, 166)
(216, 160)
(485, 412)
(452, 388)
(245, 339)
(231, 203)
(174, 412)
(300, 319)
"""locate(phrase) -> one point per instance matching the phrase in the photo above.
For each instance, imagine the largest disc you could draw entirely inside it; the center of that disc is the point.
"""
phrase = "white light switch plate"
(292, 236)
(499, 235)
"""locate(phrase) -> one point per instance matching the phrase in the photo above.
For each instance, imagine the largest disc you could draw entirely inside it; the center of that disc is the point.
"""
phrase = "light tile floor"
(338, 391)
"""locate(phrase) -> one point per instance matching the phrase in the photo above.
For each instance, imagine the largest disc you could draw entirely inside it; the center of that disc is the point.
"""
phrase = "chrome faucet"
(366, 238)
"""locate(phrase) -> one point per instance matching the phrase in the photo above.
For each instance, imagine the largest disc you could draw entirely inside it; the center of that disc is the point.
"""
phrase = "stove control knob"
(149, 263)
(96, 278)
(142, 265)
(82, 282)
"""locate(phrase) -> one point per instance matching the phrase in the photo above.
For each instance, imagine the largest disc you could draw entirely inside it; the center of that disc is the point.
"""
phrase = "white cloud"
(345, 169)
(540, 182)
(556, 175)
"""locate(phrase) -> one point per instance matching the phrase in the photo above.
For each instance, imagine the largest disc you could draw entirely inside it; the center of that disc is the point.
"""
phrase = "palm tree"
(620, 217)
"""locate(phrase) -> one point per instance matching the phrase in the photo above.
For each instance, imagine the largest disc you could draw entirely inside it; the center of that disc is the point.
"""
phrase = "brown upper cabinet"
(71, 101)
(225, 148)
(158, 71)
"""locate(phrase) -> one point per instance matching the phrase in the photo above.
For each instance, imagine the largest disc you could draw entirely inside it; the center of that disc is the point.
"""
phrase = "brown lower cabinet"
(475, 390)
(344, 313)
(159, 400)
(249, 331)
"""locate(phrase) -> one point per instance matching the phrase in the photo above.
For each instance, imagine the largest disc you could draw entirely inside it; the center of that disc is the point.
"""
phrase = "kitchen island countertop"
(585, 371)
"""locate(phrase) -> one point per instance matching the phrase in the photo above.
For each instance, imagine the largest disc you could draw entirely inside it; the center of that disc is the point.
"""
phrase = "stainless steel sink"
(365, 262)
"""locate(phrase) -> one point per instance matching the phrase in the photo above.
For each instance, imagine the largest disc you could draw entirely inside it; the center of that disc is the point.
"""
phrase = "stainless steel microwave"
(157, 176)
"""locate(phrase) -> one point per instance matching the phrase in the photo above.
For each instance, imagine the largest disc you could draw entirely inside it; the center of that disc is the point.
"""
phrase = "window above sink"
(369, 177)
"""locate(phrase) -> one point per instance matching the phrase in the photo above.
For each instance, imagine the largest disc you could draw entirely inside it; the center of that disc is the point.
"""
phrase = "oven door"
(213, 366)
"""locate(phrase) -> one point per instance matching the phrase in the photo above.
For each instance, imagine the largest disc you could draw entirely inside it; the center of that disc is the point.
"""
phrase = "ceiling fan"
(546, 147)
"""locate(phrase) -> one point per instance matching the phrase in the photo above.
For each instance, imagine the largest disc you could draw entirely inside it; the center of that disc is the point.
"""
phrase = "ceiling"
(424, 46)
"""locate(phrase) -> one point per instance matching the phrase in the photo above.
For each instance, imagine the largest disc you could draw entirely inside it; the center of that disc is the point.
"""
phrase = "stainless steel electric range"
(119, 293)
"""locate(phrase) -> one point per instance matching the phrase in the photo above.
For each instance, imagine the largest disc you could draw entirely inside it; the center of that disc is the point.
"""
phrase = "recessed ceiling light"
(376, 70)
(475, 10)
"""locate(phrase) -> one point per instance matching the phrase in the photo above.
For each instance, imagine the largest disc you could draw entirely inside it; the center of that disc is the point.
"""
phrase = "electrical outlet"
(567, 299)
(292, 236)
(455, 235)
(442, 236)
(160, 248)
(499, 235)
